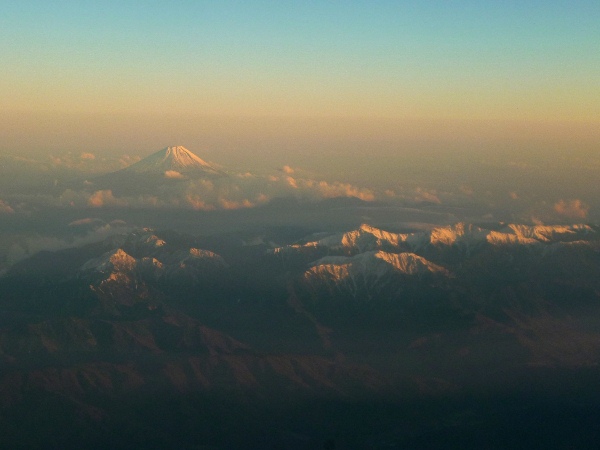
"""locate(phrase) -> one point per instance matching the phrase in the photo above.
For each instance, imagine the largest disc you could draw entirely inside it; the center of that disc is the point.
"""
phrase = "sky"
(386, 59)
(441, 96)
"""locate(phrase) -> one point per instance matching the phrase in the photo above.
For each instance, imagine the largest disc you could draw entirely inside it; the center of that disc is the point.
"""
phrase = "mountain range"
(265, 340)
(464, 235)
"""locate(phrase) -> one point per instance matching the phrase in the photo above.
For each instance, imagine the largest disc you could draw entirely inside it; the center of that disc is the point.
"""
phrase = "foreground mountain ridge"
(154, 335)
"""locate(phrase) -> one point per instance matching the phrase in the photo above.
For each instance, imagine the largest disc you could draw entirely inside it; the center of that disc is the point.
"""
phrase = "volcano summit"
(178, 159)
(164, 168)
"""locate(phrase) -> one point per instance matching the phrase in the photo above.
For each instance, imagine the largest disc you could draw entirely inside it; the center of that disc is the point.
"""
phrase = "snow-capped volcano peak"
(173, 159)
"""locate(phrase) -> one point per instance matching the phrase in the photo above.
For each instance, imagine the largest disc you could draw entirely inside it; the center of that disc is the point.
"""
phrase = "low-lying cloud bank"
(85, 231)
(179, 191)
(175, 189)
(573, 209)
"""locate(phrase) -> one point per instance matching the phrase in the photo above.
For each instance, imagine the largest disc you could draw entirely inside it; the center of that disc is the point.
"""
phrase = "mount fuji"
(172, 159)
(163, 168)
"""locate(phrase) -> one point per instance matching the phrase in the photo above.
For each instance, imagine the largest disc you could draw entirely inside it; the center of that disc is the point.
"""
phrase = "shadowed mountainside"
(441, 336)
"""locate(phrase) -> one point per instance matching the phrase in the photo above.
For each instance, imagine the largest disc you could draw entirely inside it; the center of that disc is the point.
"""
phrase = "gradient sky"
(110, 74)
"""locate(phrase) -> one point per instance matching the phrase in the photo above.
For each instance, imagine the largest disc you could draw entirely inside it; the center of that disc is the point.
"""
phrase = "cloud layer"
(89, 230)
(573, 209)
(517, 196)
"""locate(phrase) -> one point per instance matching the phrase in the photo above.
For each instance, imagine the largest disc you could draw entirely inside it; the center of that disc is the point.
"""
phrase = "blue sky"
(388, 59)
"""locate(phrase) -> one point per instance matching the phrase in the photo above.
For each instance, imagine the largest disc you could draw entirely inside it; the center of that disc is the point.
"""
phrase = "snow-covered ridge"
(548, 233)
(372, 264)
(144, 241)
(195, 256)
(363, 239)
(114, 260)
(154, 260)
(368, 272)
(368, 238)
(172, 159)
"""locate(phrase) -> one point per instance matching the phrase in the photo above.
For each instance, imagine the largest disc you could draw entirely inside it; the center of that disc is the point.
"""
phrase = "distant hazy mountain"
(172, 159)
(157, 171)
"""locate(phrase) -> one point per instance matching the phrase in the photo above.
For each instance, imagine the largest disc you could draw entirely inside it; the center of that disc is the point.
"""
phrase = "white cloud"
(338, 189)
(127, 160)
(196, 202)
(467, 190)
(24, 248)
(173, 174)
(574, 209)
(105, 198)
(5, 208)
(427, 195)
(230, 204)
(204, 194)
(291, 182)
(86, 221)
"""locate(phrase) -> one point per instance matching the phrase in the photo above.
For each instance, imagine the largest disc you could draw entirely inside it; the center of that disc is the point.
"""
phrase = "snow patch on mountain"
(153, 260)
(144, 241)
(195, 257)
(367, 275)
(376, 263)
(114, 260)
(368, 270)
(547, 233)
(460, 233)
(365, 238)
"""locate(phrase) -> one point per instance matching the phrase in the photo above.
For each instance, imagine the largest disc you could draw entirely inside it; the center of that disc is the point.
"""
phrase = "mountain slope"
(369, 272)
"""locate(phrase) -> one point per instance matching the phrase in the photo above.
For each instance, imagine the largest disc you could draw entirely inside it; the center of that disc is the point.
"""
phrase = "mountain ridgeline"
(260, 340)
